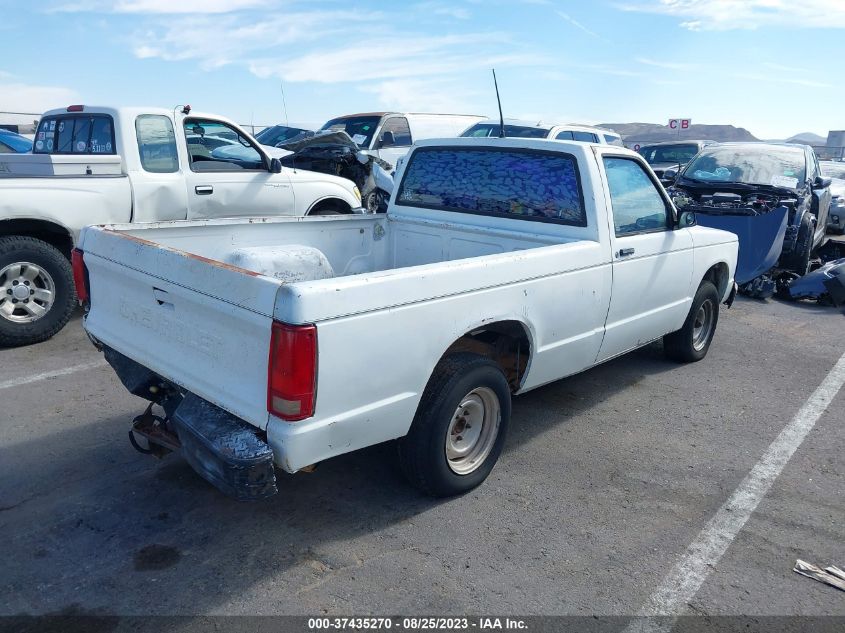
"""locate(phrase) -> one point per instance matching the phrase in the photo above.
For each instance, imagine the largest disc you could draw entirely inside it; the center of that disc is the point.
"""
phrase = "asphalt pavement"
(606, 479)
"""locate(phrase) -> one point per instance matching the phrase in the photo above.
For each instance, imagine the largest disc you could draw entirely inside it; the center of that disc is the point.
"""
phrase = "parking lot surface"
(606, 479)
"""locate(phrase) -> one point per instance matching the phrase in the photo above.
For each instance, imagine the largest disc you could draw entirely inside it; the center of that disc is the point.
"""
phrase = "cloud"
(576, 24)
(216, 41)
(665, 64)
(20, 97)
(161, 6)
(439, 8)
(395, 58)
(425, 95)
(723, 15)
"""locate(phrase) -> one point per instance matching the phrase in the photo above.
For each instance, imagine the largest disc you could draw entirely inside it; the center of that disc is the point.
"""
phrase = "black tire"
(691, 342)
(423, 452)
(799, 261)
(17, 249)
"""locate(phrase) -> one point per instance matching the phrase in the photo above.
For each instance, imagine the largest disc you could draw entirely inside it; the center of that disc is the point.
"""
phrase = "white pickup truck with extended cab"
(93, 165)
(501, 265)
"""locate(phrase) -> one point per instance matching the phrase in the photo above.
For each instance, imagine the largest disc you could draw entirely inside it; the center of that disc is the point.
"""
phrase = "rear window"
(75, 134)
(529, 184)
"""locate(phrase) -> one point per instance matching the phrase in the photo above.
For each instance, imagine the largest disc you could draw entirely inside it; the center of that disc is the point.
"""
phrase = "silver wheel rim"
(473, 430)
(702, 326)
(27, 292)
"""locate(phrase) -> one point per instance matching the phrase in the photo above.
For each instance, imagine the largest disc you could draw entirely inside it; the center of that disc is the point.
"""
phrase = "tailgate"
(200, 324)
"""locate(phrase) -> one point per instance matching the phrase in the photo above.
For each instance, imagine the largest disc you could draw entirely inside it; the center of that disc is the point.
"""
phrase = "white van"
(517, 128)
(389, 135)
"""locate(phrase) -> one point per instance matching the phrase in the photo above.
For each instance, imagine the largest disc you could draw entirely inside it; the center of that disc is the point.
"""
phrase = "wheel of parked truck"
(800, 261)
(460, 426)
(691, 342)
(36, 291)
(376, 201)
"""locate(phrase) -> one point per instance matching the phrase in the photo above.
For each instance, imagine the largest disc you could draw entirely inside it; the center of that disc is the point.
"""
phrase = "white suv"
(530, 129)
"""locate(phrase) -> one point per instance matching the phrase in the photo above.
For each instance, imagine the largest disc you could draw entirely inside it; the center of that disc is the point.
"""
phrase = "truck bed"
(178, 290)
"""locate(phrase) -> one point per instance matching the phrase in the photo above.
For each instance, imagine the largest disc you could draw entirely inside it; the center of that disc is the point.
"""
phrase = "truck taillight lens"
(80, 274)
(292, 376)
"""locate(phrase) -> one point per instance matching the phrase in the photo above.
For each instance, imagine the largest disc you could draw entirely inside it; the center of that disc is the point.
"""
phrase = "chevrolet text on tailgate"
(501, 265)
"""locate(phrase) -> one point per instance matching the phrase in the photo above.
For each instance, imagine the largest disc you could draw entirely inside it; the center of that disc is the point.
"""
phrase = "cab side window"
(637, 204)
(156, 144)
(401, 131)
(215, 146)
(566, 135)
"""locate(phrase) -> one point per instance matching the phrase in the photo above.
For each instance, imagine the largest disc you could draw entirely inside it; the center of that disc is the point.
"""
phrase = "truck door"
(394, 139)
(158, 188)
(228, 176)
(652, 260)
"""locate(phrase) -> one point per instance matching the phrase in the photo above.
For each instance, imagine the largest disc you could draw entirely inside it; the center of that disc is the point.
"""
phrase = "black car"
(772, 195)
(671, 155)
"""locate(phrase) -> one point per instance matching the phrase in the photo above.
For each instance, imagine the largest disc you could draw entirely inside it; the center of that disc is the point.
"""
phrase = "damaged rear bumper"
(223, 449)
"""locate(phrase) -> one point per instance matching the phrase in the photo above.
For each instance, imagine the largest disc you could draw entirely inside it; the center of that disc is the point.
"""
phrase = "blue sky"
(772, 66)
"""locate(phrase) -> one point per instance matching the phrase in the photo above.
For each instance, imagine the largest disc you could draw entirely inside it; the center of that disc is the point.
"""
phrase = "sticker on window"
(784, 181)
(359, 138)
(80, 146)
(39, 145)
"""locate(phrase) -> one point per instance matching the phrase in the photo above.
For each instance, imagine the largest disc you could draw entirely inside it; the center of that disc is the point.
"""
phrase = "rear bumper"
(226, 451)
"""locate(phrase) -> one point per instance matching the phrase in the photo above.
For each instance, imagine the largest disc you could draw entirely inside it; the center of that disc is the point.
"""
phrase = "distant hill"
(808, 138)
(654, 133)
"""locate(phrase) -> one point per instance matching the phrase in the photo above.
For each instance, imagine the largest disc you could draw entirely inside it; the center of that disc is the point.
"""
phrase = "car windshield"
(833, 170)
(485, 130)
(656, 154)
(278, 134)
(16, 142)
(360, 128)
(762, 164)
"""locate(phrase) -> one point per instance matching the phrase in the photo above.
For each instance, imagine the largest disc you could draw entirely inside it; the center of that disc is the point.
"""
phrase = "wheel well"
(329, 204)
(718, 276)
(505, 342)
(49, 232)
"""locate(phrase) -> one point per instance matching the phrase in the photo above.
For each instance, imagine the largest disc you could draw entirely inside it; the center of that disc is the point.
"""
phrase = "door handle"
(624, 252)
(204, 190)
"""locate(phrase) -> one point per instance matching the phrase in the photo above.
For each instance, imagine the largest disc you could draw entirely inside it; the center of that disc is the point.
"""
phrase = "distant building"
(835, 146)
(20, 122)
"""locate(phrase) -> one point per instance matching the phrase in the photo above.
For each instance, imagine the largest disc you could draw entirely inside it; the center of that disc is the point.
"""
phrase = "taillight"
(292, 374)
(80, 274)
(75, 108)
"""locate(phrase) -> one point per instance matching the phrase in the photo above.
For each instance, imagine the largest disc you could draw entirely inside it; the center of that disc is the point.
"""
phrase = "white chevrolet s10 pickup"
(500, 266)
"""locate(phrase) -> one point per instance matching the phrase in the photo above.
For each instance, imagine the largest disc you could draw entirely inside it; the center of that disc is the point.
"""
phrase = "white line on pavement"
(681, 584)
(25, 380)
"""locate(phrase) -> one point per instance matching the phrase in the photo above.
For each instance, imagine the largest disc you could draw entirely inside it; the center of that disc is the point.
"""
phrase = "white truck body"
(403, 289)
(134, 165)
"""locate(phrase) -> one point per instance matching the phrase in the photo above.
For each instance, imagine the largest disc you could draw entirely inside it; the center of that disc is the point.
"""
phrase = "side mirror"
(387, 140)
(275, 166)
(686, 219)
(821, 183)
(669, 176)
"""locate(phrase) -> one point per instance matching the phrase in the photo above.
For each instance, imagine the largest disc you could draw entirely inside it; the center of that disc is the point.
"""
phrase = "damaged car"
(335, 153)
(772, 196)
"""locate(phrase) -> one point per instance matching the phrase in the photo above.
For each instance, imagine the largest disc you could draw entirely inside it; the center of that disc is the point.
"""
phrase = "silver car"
(836, 172)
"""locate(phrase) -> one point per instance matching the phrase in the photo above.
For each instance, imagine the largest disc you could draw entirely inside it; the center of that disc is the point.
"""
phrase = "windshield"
(833, 170)
(762, 164)
(360, 128)
(16, 142)
(669, 153)
(485, 130)
(278, 134)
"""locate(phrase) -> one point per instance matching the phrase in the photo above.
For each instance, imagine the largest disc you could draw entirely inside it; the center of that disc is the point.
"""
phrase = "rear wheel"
(691, 342)
(460, 426)
(36, 291)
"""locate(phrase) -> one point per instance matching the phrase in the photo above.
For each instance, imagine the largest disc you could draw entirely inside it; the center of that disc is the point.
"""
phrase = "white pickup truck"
(93, 165)
(501, 265)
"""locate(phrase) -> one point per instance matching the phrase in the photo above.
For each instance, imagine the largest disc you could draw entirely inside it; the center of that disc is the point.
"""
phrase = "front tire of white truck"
(37, 296)
(460, 426)
(691, 342)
